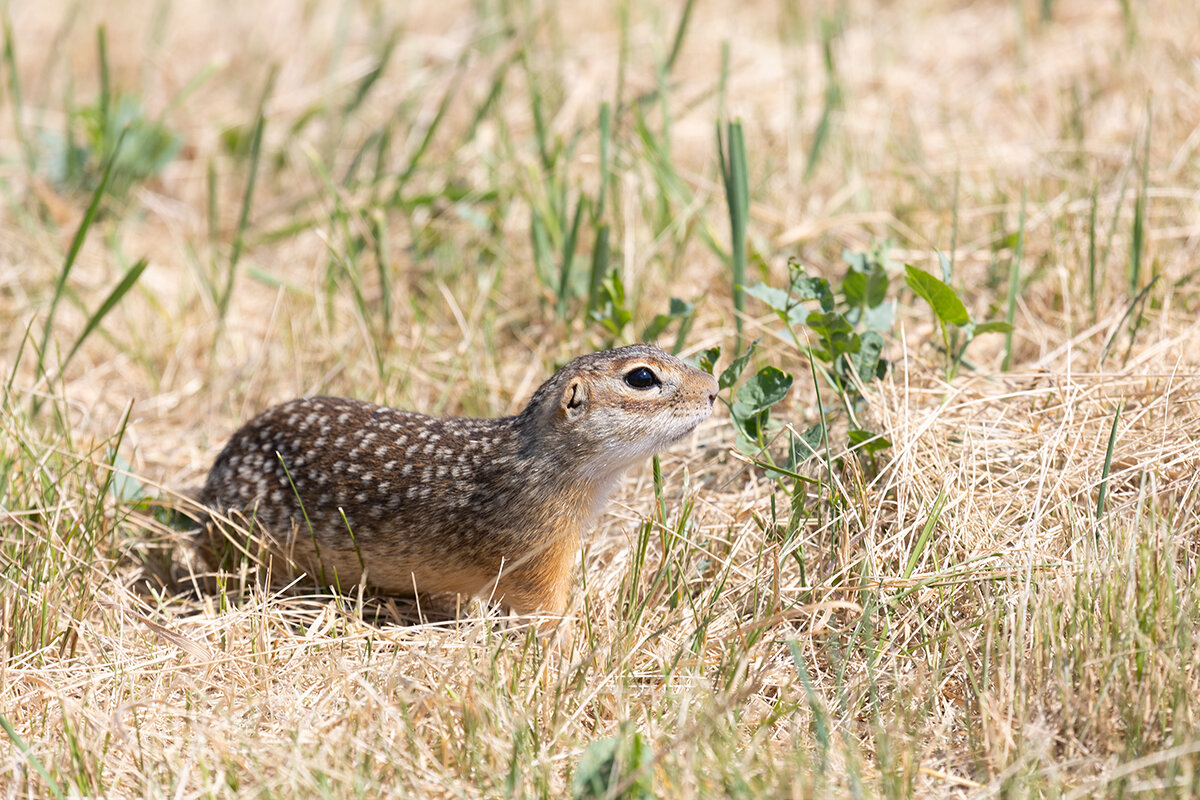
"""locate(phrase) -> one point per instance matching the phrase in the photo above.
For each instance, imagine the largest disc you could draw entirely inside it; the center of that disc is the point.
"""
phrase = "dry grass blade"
(194, 649)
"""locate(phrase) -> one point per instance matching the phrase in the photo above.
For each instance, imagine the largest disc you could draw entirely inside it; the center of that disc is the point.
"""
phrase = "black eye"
(641, 378)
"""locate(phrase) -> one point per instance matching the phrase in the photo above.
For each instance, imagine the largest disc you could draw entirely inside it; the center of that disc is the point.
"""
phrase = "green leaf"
(829, 324)
(867, 442)
(806, 445)
(114, 297)
(777, 299)
(877, 286)
(866, 283)
(837, 336)
(678, 310)
(764, 390)
(941, 298)
(998, 326)
(880, 317)
(123, 485)
(807, 287)
(867, 362)
(854, 287)
(612, 314)
(707, 359)
(749, 431)
(734, 371)
(612, 761)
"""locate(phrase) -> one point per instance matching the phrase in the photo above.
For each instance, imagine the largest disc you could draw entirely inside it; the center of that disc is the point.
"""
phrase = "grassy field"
(984, 581)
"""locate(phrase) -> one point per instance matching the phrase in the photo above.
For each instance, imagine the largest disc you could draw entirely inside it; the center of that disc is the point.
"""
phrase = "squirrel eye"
(641, 378)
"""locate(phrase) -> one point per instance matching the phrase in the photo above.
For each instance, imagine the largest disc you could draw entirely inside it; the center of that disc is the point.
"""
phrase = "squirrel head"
(612, 409)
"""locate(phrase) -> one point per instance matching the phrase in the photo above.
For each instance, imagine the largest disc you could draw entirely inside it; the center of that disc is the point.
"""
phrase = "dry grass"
(1029, 647)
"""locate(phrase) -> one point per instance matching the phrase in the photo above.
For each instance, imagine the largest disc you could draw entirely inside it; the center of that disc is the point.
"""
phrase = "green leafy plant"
(958, 329)
(613, 314)
(80, 157)
(839, 330)
(612, 311)
(845, 324)
(615, 767)
(149, 145)
(751, 407)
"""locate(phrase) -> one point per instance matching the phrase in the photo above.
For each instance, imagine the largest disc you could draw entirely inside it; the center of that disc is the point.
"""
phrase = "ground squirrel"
(481, 507)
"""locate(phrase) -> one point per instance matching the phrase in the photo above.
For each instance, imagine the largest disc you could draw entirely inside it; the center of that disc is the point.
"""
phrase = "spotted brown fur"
(347, 490)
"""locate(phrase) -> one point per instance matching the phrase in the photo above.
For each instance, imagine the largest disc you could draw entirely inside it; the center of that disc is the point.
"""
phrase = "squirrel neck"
(556, 469)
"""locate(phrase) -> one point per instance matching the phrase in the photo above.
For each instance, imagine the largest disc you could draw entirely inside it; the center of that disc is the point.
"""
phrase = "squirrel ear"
(573, 398)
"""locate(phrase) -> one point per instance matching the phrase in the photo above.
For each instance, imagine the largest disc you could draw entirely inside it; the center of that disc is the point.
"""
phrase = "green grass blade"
(214, 219)
(33, 760)
(370, 144)
(737, 196)
(383, 146)
(368, 81)
(536, 104)
(926, 531)
(489, 100)
(540, 238)
(1014, 282)
(1102, 495)
(1138, 237)
(622, 54)
(821, 724)
(379, 235)
(954, 221)
(89, 216)
(832, 101)
(1092, 264)
(16, 365)
(1126, 171)
(568, 258)
(239, 238)
(14, 89)
(195, 82)
(685, 327)
(605, 125)
(414, 160)
(105, 101)
(599, 268)
(824, 423)
(680, 33)
(1140, 305)
(1135, 305)
(114, 297)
